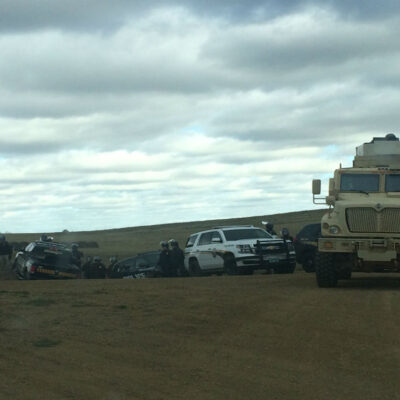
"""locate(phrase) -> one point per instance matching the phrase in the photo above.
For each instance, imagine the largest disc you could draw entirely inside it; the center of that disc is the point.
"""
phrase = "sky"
(128, 113)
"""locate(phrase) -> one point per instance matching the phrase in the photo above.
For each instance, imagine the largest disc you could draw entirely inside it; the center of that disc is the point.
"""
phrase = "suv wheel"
(230, 266)
(325, 269)
(194, 267)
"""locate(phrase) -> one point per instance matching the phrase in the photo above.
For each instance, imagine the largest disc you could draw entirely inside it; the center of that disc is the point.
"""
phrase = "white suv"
(237, 250)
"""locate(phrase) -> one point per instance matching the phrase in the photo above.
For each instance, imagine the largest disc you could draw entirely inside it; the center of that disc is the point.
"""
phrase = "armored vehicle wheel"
(194, 268)
(325, 269)
(230, 266)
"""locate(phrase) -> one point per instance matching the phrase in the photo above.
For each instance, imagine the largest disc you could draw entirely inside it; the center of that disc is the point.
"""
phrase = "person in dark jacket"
(6, 251)
(76, 255)
(97, 270)
(177, 258)
(269, 227)
(164, 262)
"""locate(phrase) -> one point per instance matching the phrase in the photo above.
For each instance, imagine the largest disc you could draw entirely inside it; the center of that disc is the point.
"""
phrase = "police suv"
(237, 250)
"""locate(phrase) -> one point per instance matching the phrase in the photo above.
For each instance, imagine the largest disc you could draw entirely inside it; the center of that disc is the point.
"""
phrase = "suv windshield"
(239, 234)
(392, 183)
(359, 183)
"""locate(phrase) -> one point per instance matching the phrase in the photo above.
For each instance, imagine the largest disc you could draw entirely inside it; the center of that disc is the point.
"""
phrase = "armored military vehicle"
(361, 229)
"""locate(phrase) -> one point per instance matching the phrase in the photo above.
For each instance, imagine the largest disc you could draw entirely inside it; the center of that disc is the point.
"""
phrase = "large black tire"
(230, 266)
(194, 267)
(325, 270)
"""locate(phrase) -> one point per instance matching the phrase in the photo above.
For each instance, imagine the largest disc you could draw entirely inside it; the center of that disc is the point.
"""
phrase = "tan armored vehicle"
(361, 230)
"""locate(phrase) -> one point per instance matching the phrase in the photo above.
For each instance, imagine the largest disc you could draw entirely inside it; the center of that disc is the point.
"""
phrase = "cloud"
(181, 111)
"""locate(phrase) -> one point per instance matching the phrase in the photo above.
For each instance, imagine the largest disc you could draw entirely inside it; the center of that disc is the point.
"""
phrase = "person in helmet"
(6, 251)
(285, 234)
(76, 255)
(269, 227)
(164, 262)
(94, 268)
(177, 258)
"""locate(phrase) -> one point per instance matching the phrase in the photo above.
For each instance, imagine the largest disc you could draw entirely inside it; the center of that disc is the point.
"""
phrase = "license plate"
(272, 260)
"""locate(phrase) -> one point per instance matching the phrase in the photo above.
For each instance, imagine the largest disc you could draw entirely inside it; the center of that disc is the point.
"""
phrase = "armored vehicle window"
(392, 183)
(239, 234)
(359, 183)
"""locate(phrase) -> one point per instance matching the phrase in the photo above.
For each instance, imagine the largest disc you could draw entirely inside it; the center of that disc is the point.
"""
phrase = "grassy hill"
(126, 242)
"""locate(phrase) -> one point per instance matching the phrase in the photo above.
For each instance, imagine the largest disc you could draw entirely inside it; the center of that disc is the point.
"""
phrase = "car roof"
(228, 227)
(52, 245)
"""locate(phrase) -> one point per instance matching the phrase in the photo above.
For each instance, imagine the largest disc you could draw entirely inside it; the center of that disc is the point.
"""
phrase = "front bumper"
(367, 249)
(265, 261)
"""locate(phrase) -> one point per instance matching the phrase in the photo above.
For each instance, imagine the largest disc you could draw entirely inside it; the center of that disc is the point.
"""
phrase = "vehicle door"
(140, 269)
(126, 268)
(206, 248)
(21, 258)
(218, 250)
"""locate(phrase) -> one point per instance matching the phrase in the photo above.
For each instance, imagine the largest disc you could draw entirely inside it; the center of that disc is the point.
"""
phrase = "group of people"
(171, 261)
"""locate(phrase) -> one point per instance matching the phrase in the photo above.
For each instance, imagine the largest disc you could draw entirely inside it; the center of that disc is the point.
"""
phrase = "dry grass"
(244, 337)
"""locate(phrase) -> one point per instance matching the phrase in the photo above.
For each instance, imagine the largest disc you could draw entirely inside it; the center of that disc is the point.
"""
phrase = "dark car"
(306, 244)
(46, 260)
(143, 265)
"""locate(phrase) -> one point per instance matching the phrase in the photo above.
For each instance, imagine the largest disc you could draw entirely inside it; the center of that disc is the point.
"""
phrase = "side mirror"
(316, 186)
(331, 187)
(216, 240)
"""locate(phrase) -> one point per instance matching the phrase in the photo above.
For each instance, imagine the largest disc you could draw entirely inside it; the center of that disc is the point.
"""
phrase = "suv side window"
(216, 234)
(190, 242)
(205, 238)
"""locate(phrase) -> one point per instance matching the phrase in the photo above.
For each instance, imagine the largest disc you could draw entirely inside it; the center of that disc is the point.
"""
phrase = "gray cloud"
(175, 112)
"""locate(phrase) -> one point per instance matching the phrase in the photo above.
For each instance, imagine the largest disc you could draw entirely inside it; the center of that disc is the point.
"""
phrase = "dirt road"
(245, 337)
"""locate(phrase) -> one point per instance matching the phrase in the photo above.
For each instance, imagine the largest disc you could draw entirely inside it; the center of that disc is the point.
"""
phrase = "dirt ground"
(244, 337)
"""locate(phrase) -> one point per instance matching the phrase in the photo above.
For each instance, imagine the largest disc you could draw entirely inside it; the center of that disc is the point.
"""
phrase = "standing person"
(177, 258)
(269, 227)
(5, 253)
(286, 235)
(76, 255)
(164, 262)
(97, 269)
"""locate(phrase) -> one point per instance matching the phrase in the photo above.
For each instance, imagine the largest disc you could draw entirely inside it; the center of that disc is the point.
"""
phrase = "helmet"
(269, 225)
(96, 259)
(74, 246)
(173, 242)
(164, 244)
(43, 238)
(285, 232)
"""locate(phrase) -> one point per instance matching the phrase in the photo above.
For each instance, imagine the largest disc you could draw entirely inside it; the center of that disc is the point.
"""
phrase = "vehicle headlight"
(334, 230)
(244, 248)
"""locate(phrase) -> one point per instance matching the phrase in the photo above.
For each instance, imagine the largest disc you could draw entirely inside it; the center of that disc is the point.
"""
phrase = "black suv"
(144, 265)
(46, 260)
(306, 244)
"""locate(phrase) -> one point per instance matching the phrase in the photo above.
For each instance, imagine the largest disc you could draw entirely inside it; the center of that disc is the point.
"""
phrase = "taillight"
(32, 269)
